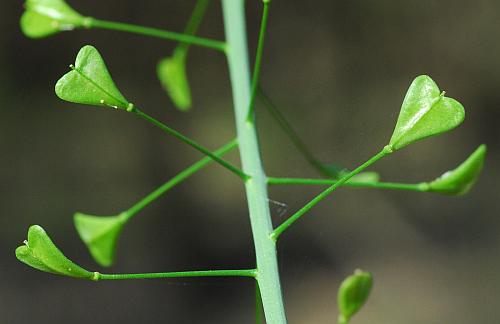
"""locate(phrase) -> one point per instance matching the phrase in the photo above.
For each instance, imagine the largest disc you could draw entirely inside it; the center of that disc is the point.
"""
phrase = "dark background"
(339, 71)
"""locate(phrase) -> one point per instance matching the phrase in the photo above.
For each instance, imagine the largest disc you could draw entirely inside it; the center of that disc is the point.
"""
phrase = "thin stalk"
(180, 177)
(286, 224)
(154, 32)
(183, 274)
(190, 142)
(256, 187)
(193, 24)
(258, 60)
(421, 187)
(292, 134)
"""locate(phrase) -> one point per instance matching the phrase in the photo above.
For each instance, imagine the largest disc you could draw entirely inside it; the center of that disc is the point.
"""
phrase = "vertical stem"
(258, 305)
(256, 185)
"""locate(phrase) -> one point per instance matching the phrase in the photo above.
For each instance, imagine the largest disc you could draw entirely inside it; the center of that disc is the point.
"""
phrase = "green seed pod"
(90, 83)
(460, 180)
(100, 234)
(352, 294)
(41, 253)
(425, 112)
(43, 18)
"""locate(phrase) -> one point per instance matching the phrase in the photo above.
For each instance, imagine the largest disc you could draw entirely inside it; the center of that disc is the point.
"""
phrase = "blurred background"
(339, 71)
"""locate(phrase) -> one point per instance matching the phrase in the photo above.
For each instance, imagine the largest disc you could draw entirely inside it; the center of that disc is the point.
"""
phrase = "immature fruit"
(46, 17)
(90, 83)
(353, 293)
(172, 74)
(41, 253)
(460, 180)
(100, 234)
(425, 112)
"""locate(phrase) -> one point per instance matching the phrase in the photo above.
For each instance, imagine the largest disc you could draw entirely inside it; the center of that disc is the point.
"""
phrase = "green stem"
(183, 175)
(183, 274)
(153, 32)
(192, 25)
(292, 134)
(256, 187)
(258, 305)
(422, 187)
(258, 60)
(190, 142)
(286, 224)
